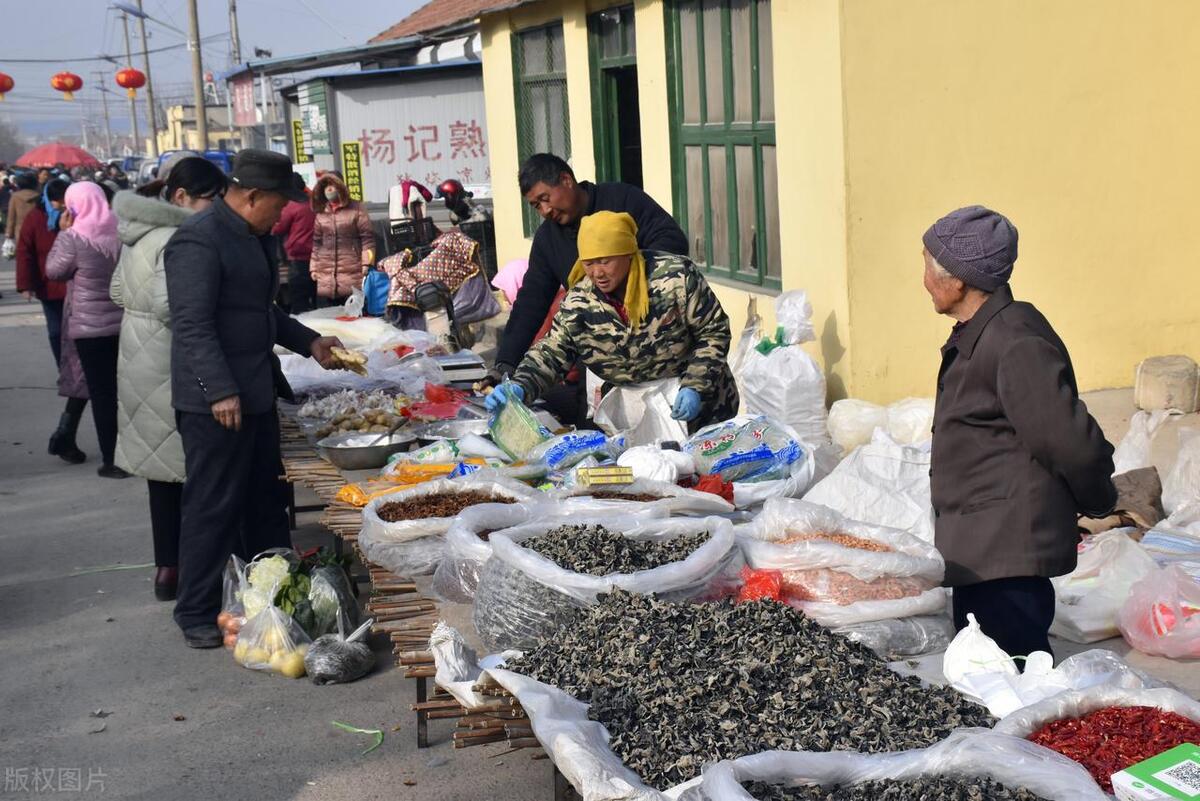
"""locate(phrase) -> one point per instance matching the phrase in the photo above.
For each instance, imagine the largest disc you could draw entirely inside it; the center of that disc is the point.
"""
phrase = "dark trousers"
(325, 303)
(98, 356)
(233, 502)
(302, 290)
(166, 515)
(1015, 612)
(53, 309)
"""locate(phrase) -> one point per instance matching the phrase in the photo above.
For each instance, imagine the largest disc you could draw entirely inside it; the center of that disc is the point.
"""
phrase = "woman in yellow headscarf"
(633, 317)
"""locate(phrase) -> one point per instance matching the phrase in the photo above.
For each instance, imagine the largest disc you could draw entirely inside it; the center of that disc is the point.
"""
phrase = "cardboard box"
(1173, 774)
(604, 476)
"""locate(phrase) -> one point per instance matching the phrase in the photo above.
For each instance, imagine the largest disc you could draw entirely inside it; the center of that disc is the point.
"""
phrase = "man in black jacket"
(550, 187)
(1016, 456)
(221, 285)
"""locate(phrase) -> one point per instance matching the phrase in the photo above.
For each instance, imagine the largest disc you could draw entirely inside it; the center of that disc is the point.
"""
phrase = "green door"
(616, 124)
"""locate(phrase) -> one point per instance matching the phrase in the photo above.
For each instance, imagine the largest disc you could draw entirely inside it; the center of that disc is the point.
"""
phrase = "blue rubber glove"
(500, 396)
(687, 405)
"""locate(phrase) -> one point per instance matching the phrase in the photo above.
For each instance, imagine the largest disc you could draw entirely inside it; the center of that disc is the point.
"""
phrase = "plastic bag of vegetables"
(272, 640)
(338, 659)
(313, 589)
(332, 600)
(233, 615)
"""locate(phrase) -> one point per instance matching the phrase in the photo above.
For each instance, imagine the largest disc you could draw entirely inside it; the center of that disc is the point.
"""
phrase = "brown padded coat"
(1015, 453)
(339, 239)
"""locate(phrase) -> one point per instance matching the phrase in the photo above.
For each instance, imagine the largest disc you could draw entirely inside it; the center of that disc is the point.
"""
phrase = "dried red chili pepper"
(1113, 738)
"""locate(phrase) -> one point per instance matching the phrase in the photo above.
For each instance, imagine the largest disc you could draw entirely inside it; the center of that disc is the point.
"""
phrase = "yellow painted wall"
(1077, 119)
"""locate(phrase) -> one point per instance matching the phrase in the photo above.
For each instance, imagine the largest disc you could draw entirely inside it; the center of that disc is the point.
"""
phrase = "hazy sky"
(65, 29)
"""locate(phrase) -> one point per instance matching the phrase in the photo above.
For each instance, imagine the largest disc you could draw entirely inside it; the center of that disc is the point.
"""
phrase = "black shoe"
(62, 441)
(166, 581)
(206, 635)
(111, 471)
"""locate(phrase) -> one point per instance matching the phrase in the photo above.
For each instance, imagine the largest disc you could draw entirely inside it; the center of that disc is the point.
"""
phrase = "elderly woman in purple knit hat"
(1016, 456)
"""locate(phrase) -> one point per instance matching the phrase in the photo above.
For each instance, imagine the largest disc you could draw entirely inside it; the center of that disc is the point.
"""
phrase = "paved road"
(71, 646)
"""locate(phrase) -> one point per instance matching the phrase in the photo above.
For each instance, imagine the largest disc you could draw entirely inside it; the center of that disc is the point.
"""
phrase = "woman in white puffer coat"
(148, 445)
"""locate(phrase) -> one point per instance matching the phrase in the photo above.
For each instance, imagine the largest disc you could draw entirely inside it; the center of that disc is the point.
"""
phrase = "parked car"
(147, 172)
(222, 158)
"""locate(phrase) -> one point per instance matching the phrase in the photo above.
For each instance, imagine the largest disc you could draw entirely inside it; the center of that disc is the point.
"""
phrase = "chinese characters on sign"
(242, 99)
(37, 780)
(352, 165)
(314, 116)
(298, 142)
(424, 143)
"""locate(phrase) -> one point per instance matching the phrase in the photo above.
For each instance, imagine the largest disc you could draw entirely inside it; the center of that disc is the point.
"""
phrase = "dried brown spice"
(441, 504)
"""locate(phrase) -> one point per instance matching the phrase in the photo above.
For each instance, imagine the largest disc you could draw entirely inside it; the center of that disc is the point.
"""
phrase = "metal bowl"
(449, 429)
(362, 457)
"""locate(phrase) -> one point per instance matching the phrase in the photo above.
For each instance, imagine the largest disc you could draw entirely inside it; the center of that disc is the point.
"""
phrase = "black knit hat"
(266, 170)
(976, 245)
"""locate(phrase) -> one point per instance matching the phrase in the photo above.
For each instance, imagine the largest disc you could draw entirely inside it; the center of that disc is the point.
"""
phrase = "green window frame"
(612, 37)
(540, 92)
(721, 112)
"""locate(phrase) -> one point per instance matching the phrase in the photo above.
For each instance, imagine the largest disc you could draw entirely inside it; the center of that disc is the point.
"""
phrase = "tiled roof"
(438, 14)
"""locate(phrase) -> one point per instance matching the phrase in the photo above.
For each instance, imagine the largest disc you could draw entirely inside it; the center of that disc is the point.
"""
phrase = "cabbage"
(268, 572)
(325, 604)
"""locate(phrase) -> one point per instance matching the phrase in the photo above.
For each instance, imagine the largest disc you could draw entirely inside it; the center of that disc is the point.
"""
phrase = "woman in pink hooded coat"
(85, 255)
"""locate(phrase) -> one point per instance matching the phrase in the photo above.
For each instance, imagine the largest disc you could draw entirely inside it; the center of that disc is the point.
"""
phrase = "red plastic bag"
(435, 393)
(715, 485)
(402, 350)
(760, 585)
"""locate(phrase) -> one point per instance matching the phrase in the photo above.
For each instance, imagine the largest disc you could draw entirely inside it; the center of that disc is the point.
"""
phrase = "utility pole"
(235, 41)
(137, 146)
(108, 141)
(197, 74)
(150, 117)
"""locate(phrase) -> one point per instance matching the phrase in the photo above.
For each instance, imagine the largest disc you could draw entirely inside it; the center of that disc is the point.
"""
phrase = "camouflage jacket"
(685, 334)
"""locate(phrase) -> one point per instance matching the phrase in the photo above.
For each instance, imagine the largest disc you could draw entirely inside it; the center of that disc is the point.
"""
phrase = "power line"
(116, 58)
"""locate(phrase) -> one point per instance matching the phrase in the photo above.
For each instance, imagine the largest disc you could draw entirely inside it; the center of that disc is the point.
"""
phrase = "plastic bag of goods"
(564, 451)
(524, 595)
(1133, 451)
(841, 572)
(642, 412)
(780, 380)
(272, 640)
(661, 495)
(332, 597)
(900, 637)
(970, 763)
(1108, 728)
(853, 422)
(882, 483)
(337, 658)
(514, 428)
(1182, 484)
(233, 615)
(1088, 599)
(402, 531)
(1162, 614)
(763, 458)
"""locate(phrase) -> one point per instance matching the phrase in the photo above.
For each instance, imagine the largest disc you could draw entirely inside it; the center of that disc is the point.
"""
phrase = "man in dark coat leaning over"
(549, 186)
(221, 285)
(1016, 456)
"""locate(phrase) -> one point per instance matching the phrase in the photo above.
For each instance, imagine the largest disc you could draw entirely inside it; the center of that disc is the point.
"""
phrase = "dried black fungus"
(925, 789)
(678, 685)
(597, 551)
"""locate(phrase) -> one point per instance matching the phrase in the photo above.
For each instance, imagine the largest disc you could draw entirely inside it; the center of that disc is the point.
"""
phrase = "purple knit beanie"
(976, 245)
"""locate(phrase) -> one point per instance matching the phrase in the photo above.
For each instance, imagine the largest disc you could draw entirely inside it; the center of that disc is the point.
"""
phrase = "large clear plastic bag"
(784, 382)
(385, 371)
(1076, 703)
(332, 599)
(906, 636)
(641, 412)
(272, 641)
(883, 483)
(853, 422)
(674, 500)
(1088, 599)
(966, 754)
(523, 597)
(1162, 614)
(415, 547)
(837, 583)
(1133, 451)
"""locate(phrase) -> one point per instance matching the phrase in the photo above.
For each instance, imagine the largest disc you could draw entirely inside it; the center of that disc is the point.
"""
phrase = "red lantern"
(131, 80)
(6, 84)
(68, 83)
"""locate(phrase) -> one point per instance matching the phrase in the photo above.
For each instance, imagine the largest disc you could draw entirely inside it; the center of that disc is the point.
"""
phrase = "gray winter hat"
(976, 245)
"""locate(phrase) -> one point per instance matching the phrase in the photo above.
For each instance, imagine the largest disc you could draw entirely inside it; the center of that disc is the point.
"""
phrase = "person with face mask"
(221, 284)
(634, 317)
(343, 243)
(148, 443)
